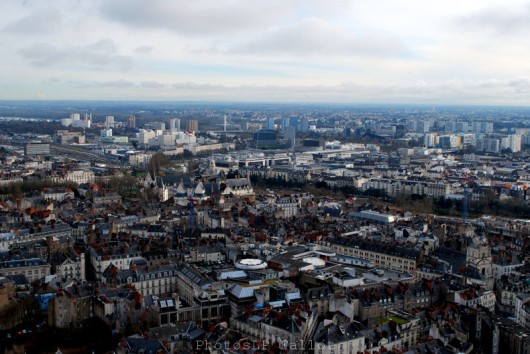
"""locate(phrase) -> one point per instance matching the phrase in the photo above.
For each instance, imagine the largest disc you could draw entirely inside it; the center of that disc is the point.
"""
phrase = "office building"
(193, 125)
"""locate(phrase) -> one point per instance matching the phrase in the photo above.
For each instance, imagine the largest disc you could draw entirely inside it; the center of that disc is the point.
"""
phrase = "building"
(482, 127)
(395, 187)
(399, 258)
(101, 260)
(205, 299)
(489, 145)
(71, 306)
(131, 122)
(174, 125)
(193, 125)
(158, 280)
(265, 138)
(80, 176)
(68, 137)
(269, 124)
(302, 125)
(109, 122)
(511, 142)
(33, 149)
(72, 267)
(31, 268)
(522, 309)
(479, 256)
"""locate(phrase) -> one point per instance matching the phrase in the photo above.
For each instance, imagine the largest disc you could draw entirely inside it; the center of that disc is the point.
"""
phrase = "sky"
(308, 51)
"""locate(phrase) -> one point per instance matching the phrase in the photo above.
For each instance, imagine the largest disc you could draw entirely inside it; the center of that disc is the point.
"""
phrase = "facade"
(71, 306)
(479, 257)
(31, 268)
(193, 125)
(395, 187)
(73, 268)
(68, 137)
(80, 176)
(36, 149)
(392, 257)
(522, 309)
(101, 261)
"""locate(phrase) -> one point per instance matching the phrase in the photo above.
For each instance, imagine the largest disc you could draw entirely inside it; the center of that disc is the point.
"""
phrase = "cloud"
(120, 83)
(317, 37)
(38, 22)
(503, 19)
(143, 49)
(197, 86)
(117, 84)
(52, 80)
(100, 54)
(195, 17)
(451, 91)
(152, 84)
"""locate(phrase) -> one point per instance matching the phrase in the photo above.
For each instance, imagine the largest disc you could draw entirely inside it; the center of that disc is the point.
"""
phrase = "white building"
(109, 122)
(80, 176)
(73, 268)
(522, 309)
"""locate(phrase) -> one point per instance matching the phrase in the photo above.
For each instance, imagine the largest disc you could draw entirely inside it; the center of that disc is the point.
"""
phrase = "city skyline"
(267, 51)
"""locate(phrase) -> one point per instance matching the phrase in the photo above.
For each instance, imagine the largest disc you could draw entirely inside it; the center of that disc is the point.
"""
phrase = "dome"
(250, 264)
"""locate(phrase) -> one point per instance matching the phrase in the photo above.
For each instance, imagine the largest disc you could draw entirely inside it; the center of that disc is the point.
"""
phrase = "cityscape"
(282, 229)
(266, 177)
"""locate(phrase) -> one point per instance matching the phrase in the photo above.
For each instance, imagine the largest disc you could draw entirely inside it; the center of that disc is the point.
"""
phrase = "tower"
(174, 125)
(88, 120)
(270, 124)
(478, 256)
(131, 122)
(224, 124)
(109, 122)
(193, 125)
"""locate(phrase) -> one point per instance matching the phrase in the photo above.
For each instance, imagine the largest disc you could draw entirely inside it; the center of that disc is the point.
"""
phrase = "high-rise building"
(483, 127)
(174, 125)
(109, 122)
(488, 145)
(270, 124)
(291, 136)
(430, 140)
(512, 142)
(88, 120)
(193, 125)
(303, 125)
(131, 122)
(285, 124)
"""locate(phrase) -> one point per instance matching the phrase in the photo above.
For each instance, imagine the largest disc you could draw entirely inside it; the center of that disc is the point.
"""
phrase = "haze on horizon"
(388, 51)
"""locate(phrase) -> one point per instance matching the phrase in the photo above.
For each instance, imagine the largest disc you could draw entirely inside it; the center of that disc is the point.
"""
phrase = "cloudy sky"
(359, 51)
